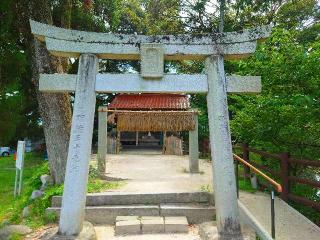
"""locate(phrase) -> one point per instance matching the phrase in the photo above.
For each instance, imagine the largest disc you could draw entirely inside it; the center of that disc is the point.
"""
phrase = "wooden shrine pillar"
(137, 138)
(118, 144)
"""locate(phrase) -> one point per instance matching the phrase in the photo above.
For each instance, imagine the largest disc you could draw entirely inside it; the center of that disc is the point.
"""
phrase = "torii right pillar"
(224, 181)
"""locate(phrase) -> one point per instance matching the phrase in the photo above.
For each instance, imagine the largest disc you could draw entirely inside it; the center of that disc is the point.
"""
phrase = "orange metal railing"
(276, 185)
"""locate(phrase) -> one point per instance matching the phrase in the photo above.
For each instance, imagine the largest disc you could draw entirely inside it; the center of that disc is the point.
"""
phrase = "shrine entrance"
(152, 51)
(148, 123)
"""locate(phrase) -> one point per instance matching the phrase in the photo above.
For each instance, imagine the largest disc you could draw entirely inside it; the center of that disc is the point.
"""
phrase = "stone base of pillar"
(209, 231)
(87, 233)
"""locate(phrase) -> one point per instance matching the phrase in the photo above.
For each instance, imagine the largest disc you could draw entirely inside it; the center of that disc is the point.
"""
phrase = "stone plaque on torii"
(152, 50)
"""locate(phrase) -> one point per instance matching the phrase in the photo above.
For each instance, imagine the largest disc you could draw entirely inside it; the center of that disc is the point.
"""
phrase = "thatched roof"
(153, 120)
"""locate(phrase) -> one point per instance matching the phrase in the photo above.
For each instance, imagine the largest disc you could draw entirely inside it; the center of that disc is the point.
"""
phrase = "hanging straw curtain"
(155, 121)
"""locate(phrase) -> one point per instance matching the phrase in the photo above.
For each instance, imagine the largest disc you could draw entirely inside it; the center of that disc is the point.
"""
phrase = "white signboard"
(20, 154)
(19, 167)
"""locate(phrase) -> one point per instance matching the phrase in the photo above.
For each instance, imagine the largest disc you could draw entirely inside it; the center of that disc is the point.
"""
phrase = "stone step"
(195, 212)
(128, 225)
(175, 224)
(100, 199)
(131, 225)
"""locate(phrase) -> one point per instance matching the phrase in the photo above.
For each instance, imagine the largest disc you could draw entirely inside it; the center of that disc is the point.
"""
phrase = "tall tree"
(55, 109)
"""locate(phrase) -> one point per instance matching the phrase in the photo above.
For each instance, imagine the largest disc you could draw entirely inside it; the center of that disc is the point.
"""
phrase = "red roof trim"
(150, 101)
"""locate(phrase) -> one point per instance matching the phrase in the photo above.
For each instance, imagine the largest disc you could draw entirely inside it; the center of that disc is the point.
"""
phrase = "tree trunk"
(54, 108)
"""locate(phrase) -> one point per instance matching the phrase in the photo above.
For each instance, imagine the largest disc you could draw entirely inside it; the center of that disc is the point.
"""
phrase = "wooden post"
(118, 142)
(137, 138)
(164, 142)
(245, 156)
(285, 172)
(79, 154)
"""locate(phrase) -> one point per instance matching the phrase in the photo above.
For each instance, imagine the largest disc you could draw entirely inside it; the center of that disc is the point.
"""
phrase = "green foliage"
(7, 176)
(36, 206)
(15, 236)
(98, 185)
(245, 185)
(10, 117)
(285, 116)
(12, 59)
(206, 188)
(12, 67)
(310, 213)
(166, 21)
(35, 167)
(93, 172)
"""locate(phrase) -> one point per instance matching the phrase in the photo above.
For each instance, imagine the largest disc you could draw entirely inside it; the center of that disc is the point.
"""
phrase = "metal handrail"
(272, 182)
(276, 185)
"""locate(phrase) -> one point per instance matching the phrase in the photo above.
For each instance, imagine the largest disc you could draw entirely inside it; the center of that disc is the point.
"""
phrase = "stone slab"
(127, 218)
(150, 224)
(121, 198)
(128, 225)
(108, 214)
(152, 62)
(134, 83)
(65, 48)
(41, 30)
(195, 213)
(106, 232)
(175, 225)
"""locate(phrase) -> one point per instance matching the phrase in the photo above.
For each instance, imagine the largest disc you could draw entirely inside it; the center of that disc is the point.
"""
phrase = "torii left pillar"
(76, 178)
(102, 138)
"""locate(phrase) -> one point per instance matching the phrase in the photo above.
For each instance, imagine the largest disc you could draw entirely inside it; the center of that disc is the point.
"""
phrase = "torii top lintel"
(71, 43)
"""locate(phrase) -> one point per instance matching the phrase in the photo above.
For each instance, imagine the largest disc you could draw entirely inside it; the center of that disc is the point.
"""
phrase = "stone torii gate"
(152, 50)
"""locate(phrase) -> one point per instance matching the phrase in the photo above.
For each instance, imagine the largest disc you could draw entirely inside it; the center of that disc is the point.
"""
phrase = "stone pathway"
(107, 232)
(290, 224)
(157, 173)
